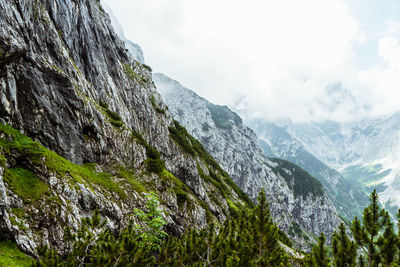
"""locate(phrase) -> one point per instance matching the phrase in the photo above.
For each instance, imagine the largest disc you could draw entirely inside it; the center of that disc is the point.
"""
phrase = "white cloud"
(272, 59)
(389, 50)
(382, 82)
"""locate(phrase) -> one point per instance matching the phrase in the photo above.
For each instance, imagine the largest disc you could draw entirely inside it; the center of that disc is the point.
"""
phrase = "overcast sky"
(306, 60)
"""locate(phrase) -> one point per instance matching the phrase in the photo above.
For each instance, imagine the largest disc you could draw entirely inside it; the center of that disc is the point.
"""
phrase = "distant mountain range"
(365, 152)
(348, 197)
(298, 201)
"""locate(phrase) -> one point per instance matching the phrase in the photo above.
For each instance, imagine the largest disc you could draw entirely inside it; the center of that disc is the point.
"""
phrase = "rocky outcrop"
(236, 149)
(135, 50)
(349, 197)
(366, 152)
(68, 82)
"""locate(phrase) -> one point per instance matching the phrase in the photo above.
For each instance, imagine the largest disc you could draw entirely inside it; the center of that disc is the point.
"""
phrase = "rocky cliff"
(83, 128)
(366, 152)
(298, 202)
(348, 197)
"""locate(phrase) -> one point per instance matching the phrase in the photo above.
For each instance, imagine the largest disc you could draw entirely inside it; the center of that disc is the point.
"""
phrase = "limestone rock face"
(349, 197)
(236, 149)
(68, 82)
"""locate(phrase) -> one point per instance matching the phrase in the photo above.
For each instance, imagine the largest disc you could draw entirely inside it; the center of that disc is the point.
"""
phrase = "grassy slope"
(10, 255)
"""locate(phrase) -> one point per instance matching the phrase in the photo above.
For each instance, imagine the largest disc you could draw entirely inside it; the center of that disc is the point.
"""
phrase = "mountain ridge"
(236, 149)
(83, 124)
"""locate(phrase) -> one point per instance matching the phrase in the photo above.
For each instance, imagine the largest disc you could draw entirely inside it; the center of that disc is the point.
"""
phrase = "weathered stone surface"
(236, 149)
(59, 59)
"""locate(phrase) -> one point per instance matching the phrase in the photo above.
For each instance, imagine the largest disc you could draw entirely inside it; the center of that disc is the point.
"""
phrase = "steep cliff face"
(135, 50)
(349, 197)
(365, 152)
(235, 147)
(68, 83)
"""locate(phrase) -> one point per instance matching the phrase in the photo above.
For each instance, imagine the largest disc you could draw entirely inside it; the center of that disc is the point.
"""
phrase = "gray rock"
(59, 59)
(236, 149)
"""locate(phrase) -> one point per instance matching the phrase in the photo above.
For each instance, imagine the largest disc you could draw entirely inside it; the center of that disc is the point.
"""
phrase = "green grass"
(33, 152)
(25, 184)
(18, 212)
(130, 178)
(221, 115)
(179, 188)
(132, 75)
(370, 175)
(11, 256)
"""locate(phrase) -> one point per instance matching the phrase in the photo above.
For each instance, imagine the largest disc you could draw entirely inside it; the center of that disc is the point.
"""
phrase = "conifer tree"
(373, 234)
(319, 254)
(344, 250)
(267, 250)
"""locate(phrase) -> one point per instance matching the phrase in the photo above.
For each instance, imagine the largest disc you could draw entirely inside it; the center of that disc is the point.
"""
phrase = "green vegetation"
(103, 179)
(18, 212)
(193, 147)
(250, 240)
(284, 238)
(114, 118)
(179, 188)
(25, 184)
(181, 195)
(374, 241)
(132, 75)
(147, 67)
(234, 210)
(205, 127)
(100, 6)
(369, 175)
(10, 255)
(216, 180)
(153, 163)
(295, 229)
(129, 176)
(2, 53)
(136, 245)
(221, 115)
(190, 145)
(298, 179)
(154, 104)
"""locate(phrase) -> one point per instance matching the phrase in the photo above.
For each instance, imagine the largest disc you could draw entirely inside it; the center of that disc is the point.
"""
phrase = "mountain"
(365, 151)
(135, 50)
(83, 129)
(298, 201)
(348, 198)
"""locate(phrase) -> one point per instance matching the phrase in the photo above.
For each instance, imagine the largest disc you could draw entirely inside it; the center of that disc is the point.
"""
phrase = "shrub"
(181, 196)
(114, 117)
(147, 67)
(155, 165)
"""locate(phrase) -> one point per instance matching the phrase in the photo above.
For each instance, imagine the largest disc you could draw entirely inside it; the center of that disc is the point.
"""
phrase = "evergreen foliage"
(299, 179)
(136, 245)
(319, 255)
(375, 236)
(114, 118)
(250, 240)
(222, 115)
(344, 250)
(192, 146)
(154, 163)
(375, 241)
